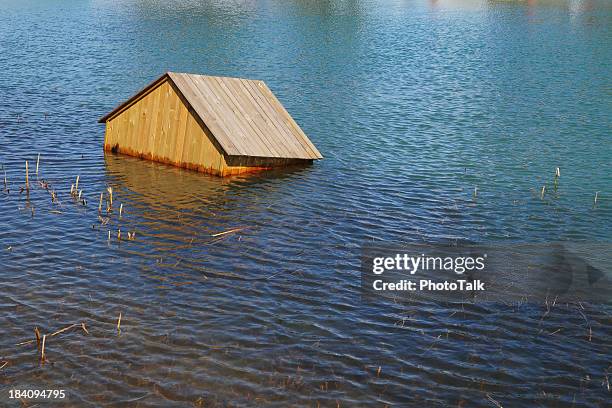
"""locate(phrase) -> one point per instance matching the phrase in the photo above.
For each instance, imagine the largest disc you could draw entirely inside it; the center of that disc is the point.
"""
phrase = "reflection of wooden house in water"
(216, 125)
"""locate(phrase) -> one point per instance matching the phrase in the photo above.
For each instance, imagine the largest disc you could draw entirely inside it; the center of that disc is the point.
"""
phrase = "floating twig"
(4, 363)
(64, 329)
(228, 232)
(84, 328)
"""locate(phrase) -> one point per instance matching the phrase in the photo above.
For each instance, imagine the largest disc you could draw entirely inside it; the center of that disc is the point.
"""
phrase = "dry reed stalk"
(100, 205)
(596, 195)
(110, 196)
(542, 192)
(5, 182)
(42, 350)
(119, 323)
(475, 192)
(558, 172)
(109, 235)
(37, 162)
(119, 235)
(80, 192)
(76, 186)
(72, 189)
(227, 232)
(120, 210)
(27, 177)
(64, 329)
(497, 404)
(4, 363)
(37, 333)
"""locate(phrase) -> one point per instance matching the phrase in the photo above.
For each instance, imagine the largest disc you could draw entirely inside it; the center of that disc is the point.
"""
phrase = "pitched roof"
(243, 115)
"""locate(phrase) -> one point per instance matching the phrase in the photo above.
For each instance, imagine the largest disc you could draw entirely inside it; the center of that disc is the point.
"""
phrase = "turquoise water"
(414, 104)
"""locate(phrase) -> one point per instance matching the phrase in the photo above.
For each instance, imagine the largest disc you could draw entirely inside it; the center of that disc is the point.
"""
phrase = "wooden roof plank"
(225, 116)
(282, 130)
(198, 100)
(244, 129)
(249, 113)
(275, 130)
(298, 131)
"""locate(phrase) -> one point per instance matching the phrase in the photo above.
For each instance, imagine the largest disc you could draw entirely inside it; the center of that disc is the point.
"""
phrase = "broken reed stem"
(596, 195)
(543, 192)
(110, 196)
(42, 350)
(27, 177)
(37, 162)
(64, 329)
(227, 232)
(76, 186)
(37, 333)
(4, 363)
(5, 182)
(119, 323)
(100, 206)
(557, 172)
(120, 210)
(84, 328)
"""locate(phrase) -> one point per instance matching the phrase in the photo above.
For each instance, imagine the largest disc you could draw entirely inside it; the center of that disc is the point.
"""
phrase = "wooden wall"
(161, 127)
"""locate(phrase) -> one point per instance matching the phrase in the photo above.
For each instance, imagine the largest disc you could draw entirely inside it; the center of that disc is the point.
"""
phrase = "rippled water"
(413, 104)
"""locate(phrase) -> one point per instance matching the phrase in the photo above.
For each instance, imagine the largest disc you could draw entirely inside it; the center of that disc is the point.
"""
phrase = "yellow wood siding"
(160, 127)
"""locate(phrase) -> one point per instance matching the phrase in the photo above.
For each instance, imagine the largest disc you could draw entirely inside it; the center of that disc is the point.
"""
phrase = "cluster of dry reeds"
(77, 195)
(42, 340)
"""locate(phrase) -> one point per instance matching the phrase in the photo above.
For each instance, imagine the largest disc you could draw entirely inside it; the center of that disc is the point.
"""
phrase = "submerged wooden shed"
(216, 125)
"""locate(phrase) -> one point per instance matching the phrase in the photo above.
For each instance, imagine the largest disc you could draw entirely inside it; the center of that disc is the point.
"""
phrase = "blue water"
(414, 104)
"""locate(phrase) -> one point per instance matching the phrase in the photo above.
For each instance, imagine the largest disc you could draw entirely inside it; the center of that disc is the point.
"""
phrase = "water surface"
(414, 104)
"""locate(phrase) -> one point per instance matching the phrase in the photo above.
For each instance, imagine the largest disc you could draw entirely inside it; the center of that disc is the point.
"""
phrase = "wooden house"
(217, 125)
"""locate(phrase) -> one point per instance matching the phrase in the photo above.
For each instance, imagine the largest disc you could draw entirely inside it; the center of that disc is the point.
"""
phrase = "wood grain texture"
(218, 125)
